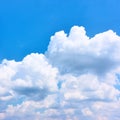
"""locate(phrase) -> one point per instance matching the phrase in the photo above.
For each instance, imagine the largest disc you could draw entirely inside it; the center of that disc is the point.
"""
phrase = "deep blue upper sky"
(26, 25)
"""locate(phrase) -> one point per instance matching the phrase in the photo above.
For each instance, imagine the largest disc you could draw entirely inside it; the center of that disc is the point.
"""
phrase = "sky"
(27, 25)
(59, 60)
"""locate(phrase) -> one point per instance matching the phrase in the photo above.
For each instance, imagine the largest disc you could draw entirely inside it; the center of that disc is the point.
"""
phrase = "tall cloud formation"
(78, 78)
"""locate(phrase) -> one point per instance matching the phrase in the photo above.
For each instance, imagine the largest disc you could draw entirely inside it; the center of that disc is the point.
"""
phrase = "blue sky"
(26, 25)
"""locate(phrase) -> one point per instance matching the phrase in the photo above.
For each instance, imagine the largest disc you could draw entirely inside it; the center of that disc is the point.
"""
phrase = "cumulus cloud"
(76, 53)
(77, 78)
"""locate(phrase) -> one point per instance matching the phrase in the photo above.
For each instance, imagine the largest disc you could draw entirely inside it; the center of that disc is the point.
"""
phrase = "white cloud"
(87, 112)
(77, 78)
(77, 53)
(87, 87)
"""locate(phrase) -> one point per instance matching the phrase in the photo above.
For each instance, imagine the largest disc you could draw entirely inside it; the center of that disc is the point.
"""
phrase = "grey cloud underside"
(76, 79)
(80, 64)
(32, 93)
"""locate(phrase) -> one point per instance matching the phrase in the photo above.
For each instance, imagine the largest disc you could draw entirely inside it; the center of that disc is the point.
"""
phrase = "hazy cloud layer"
(78, 78)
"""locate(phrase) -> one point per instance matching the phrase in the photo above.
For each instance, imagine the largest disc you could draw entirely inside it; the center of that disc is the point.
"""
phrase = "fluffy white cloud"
(77, 78)
(77, 53)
